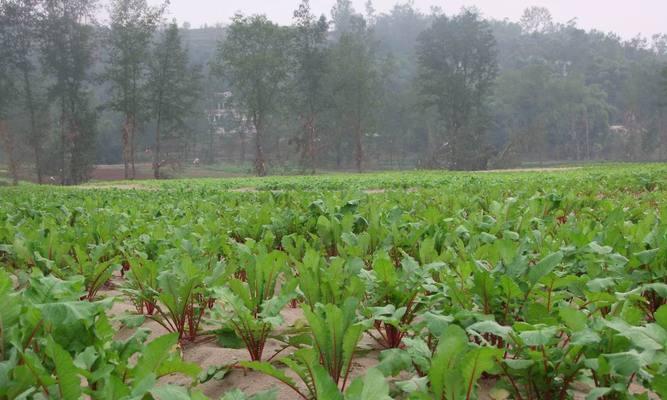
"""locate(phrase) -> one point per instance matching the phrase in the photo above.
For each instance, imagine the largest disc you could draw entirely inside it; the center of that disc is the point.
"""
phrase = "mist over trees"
(353, 90)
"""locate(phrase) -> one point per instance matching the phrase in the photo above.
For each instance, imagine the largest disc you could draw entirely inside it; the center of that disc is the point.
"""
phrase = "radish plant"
(324, 369)
(395, 297)
(251, 308)
(328, 283)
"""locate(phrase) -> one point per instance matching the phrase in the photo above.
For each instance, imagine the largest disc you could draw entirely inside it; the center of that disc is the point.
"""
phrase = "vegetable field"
(420, 285)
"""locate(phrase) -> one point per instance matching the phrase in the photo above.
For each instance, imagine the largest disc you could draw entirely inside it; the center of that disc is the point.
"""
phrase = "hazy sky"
(626, 17)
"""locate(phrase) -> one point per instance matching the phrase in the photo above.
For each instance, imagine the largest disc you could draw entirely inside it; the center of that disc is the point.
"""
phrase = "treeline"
(353, 90)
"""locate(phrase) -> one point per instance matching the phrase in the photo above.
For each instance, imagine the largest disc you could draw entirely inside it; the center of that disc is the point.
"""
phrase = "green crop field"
(415, 285)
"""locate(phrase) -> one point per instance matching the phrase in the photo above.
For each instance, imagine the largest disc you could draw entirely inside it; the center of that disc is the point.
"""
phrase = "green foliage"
(336, 333)
(251, 308)
(324, 283)
(254, 60)
(514, 277)
(51, 341)
(458, 65)
(398, 295)
(173, 88)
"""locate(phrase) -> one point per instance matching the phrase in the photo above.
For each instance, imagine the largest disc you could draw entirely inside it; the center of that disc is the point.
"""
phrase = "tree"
(354, 86)
(67, 52)
(341, 17)
(536, 20)
(133, 23)
(7, 90)
(173, 88)
(662, 117)
(254, 61)
(458, 67)
(310, 54)
(20, 27)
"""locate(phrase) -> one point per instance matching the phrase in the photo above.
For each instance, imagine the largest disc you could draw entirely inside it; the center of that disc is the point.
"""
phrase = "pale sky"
(625, 17)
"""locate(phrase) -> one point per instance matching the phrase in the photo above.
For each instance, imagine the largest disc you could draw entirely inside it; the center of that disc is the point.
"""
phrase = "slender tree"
(67, 52)
(20, 24)
(173, 88)
(7, 90)
(458, 67)
(310, 99)
(354, 85)
(254, 60)
(133, 24)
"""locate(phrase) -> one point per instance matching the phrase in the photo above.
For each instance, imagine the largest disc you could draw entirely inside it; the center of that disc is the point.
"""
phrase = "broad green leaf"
(490, 327)
(573, 318)
(661, 316)
(372, 386)
(544, 267)
(69, 381)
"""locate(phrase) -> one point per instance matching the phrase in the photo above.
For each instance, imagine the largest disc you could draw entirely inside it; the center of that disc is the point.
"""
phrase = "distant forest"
(351, 90)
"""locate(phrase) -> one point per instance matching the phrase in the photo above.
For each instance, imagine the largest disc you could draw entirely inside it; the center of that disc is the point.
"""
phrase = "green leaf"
(475, 363)
(159, 358)
(413, 384)
(584, 337)
(372, 386)
(539, 337)
(490, 327)
(647, 256)
(393, 361)
(268, 369)
(625, 363)
(594, 247)
(325, 387)
(69, 381)
(661, 316)
(544, 267)
(170, 392)
(659, 385)
(518, 364)
(237, 394)
(597, 393)
(573, 318)
(444, 368)
(228, 338)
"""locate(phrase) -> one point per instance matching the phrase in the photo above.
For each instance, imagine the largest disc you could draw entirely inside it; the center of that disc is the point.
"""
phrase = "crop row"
(543, 287)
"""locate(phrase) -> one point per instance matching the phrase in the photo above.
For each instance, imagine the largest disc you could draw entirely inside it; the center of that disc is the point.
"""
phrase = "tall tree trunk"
(575, 136)
(339, 153)
(242, 143)
(10, 151)
(126, 147)
(359, 147)
(133, 129)
(662, 156)
(308, 156)
(588, 139)
(211, 141)
(156, 153)
(35, 137)
(260, 162)
(63, 145)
